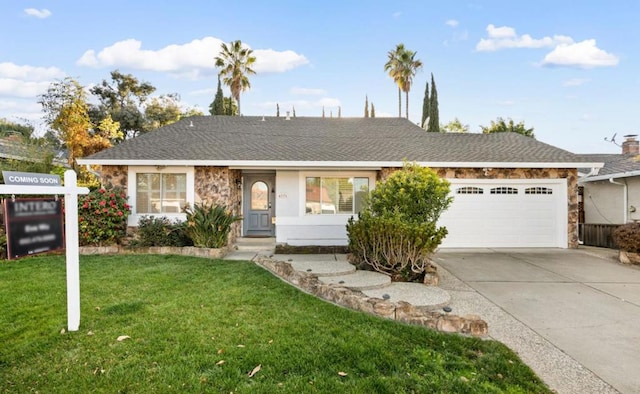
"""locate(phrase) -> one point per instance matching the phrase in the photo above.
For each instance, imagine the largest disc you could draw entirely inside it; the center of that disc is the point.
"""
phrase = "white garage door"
(506, 213)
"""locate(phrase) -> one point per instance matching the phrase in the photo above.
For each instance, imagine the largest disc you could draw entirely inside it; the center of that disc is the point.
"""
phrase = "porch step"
(256, 244)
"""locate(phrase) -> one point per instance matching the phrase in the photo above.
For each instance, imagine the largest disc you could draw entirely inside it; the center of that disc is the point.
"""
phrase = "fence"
(598, 235)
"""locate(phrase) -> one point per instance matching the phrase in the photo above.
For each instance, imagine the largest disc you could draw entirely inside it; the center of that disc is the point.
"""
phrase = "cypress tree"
(339, 112)
(277, 110)
(425, 105)
(366, 106)
(373, 111)
(323, 111)
(434, 116)
(217, 106)
(294, 111)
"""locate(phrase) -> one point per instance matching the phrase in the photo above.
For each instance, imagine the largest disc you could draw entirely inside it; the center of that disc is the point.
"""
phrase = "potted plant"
(627, 238)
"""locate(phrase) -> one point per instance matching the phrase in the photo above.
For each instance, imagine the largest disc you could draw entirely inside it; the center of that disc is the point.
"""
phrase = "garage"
(506, 213)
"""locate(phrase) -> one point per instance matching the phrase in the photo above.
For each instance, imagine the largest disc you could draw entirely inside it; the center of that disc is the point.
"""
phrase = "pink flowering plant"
(102, 216)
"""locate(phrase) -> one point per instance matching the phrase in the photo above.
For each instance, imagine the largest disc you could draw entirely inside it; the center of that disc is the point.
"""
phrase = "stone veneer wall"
(115, 176)
(519, 173)
(217, 185)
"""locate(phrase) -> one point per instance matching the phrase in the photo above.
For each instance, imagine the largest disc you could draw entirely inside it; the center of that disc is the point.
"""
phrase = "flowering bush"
(102, 217)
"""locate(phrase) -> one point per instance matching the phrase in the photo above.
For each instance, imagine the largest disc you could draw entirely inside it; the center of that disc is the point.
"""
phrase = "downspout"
(624, 199)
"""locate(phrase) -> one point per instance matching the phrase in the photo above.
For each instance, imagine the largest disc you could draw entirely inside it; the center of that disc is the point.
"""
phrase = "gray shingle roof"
(251, 138)
(614, 163)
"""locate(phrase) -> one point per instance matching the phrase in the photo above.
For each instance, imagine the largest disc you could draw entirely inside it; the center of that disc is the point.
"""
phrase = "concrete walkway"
(572, 315)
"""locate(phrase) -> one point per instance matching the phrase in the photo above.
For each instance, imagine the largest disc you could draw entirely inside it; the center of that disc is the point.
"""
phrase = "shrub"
(627, 237)
(393, 246)
(397, 231)
(208, 226)
(160, 231)
(102, 217)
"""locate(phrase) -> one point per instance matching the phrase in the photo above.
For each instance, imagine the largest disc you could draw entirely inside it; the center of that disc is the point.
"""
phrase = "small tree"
(373, 111)
(434, 114)
(455, 126)
(397, 231)
(502, 126)
(277, 110)
(366, 106)
(425, 106)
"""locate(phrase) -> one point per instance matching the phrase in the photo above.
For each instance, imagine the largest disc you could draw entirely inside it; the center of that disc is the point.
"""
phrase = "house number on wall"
(282, 195)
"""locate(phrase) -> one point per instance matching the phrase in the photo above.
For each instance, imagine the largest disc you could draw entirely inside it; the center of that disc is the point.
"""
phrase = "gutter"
(624, 198)
(609, 176)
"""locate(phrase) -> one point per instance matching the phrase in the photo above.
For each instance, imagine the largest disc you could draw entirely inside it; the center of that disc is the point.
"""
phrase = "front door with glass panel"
(259, 205)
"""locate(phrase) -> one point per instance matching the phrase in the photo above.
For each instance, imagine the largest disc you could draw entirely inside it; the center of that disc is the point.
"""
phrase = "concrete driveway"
(581, 301)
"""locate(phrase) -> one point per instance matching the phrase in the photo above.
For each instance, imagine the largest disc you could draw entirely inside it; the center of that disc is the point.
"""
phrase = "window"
(160, 192)
(334, 195)
(538, 190)
(504, 190)
(469, 190)
(259, 196)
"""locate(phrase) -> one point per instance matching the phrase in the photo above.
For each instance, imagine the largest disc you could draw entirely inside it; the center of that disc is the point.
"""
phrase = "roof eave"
(333, 164)
(610, 176)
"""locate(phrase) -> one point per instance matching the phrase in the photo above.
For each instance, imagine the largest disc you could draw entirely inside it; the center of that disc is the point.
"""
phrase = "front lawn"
(197, 325)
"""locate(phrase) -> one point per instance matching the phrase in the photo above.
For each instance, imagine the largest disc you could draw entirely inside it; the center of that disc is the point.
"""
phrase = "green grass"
(185, 315)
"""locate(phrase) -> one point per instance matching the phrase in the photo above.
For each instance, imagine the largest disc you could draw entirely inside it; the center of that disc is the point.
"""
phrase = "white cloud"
(40, 14)
(10, 87)
(584, 54)
(307, 92)
(30, 73)
(190, 60)
(506, 37)
(396, 14)
(203, 92)
(452, 23)
(575, 82)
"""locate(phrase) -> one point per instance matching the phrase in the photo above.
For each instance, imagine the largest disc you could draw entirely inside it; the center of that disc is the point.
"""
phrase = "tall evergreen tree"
(373, 111)
(366, 106)
(217, 106)
(293, 109)
(434, 116)
(425, 105)
(323, 111)
(277, 110)
(339, 112)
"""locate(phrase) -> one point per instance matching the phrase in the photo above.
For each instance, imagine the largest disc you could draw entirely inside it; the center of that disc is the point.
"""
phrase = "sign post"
(40, 184)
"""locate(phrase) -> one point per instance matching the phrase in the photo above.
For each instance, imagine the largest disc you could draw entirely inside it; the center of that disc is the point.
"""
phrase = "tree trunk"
(238, 99)
(406, 103)
(399, 104)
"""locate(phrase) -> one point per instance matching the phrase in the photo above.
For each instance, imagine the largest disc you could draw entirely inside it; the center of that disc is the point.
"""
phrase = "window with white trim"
(469, 190)
(335, 195)
(160, 192)
(504, 190)
(538, 190)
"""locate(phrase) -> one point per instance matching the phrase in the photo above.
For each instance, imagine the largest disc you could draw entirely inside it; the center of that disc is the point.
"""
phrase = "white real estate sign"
(40, 184)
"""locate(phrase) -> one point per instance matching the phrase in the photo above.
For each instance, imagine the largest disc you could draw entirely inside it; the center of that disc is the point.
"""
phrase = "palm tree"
(409, 68)
(235, 64)
(394, 67)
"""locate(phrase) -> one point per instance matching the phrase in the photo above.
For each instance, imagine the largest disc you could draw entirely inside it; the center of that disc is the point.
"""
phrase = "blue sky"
(567, 68)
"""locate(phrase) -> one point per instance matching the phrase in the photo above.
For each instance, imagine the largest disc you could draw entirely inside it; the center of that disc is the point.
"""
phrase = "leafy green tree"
(217, 106)
(123, 98)
(366, 106)
(425, 106)
(25, 131)
(434, 115)
(502, 126)
(455, 126)
(235, 62)
(162, 111)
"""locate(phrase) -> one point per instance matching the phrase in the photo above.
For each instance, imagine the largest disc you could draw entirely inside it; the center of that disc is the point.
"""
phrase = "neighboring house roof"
(351, 142)
(16, 150)
(615, 166)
